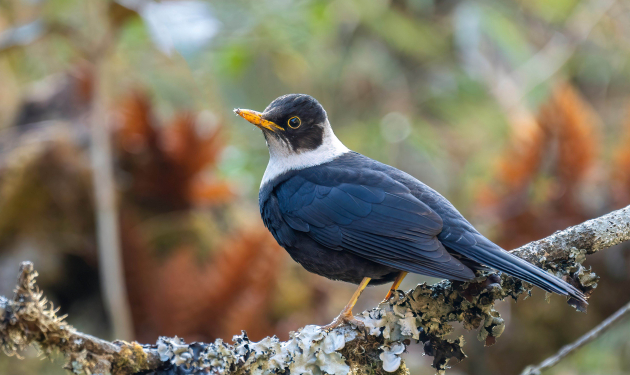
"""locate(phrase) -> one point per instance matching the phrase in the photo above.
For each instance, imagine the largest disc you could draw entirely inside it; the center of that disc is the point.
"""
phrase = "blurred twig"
(555, 54)
(583, 340)
(422, 314)
(108, 233)
(27, 34)
(510, 87)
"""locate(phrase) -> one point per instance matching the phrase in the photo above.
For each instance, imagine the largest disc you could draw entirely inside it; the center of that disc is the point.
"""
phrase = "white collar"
(281, 160)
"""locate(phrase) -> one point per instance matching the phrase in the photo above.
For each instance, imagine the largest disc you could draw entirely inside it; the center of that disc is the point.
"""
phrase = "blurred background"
(118, 146)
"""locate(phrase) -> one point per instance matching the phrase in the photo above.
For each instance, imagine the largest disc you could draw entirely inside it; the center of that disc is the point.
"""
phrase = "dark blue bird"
(347, 217)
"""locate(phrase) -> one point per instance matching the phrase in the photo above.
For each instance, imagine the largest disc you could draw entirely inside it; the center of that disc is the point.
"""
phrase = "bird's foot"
(395, 285)
(388, 296)
(345, 318)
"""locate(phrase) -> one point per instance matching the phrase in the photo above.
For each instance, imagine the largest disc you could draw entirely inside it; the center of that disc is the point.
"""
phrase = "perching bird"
(347, 217)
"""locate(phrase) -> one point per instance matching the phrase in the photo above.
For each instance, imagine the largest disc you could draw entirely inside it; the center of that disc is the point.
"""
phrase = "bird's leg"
(346, 316)
(395, 285)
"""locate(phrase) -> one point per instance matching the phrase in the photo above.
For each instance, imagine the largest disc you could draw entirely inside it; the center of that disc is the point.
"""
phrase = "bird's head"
(292, 124)
(297, 132)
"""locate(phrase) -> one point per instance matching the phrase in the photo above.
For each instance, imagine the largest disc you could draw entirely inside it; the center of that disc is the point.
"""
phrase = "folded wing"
(371, 215)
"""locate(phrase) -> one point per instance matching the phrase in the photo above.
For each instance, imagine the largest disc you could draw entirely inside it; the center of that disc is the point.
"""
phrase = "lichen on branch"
(30, 319)
(424, 315)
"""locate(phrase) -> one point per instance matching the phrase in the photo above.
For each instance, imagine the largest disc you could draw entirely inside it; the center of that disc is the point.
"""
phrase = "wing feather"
(370, 215)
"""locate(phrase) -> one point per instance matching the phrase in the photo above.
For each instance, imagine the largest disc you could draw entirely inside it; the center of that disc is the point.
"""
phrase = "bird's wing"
(475, 246)
(460, 237)
(369, 214)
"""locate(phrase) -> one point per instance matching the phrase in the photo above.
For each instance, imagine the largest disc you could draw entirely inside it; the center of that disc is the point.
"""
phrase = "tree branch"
(585, 339)
(423, 314)
(29, 320)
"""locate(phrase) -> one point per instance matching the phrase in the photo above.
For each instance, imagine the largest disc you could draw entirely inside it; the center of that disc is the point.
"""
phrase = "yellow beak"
(256, 119)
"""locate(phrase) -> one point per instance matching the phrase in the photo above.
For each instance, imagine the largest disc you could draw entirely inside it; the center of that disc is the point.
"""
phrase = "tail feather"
(491, 255)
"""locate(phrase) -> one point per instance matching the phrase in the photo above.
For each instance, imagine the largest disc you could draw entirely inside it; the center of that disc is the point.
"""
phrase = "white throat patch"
(283, 159)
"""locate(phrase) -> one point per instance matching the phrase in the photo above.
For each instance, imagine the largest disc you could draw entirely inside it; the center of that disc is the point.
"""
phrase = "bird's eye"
(294, 122)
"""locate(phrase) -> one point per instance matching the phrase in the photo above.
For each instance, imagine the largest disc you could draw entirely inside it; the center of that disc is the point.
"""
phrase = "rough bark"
(423, 314)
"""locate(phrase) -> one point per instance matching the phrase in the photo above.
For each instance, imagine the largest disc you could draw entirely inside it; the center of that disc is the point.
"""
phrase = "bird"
(347, 217)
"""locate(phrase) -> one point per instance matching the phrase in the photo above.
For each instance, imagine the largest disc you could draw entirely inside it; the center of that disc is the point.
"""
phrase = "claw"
(344, 319)
(395, 286)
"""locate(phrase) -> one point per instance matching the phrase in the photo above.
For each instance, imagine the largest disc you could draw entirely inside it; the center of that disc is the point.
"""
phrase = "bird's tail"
(491, 255)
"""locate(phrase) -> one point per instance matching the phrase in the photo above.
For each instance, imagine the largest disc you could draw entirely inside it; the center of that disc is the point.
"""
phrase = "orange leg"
(396, 284)
(346, 316)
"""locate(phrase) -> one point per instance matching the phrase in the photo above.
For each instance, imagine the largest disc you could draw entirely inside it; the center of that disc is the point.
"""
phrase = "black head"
(295, 121)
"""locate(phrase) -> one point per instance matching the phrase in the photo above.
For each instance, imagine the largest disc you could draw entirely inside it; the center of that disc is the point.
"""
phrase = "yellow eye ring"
(292, 121)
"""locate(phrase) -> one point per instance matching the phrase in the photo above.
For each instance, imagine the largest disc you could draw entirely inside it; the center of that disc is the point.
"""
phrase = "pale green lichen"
(29, 319)
(310, 351)
(391, 356)
(423, 315)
